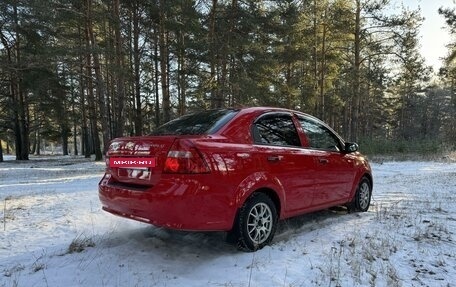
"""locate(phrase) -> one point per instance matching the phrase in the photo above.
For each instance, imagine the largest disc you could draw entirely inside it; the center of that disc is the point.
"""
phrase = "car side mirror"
(351, 147)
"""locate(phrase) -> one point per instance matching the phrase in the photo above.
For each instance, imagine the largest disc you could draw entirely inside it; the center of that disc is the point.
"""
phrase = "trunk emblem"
(115, 146)
(130, 145)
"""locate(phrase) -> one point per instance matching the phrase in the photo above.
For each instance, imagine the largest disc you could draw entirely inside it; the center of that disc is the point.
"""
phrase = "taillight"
(184, 157)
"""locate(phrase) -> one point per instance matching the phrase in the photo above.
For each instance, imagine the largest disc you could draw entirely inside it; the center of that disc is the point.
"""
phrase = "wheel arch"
(270, 192)
(261, 182)
(273, 196)
(355, 204)
(370, 178)
(358, 179)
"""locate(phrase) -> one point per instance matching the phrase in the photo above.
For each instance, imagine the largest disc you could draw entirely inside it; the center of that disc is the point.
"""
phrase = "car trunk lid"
(143, 160)
(138, 160)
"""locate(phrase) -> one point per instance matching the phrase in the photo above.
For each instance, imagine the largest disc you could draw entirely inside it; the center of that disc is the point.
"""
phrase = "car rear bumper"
(177, 203)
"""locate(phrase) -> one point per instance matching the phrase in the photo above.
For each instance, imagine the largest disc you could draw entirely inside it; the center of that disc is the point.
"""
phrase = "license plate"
(135, 173)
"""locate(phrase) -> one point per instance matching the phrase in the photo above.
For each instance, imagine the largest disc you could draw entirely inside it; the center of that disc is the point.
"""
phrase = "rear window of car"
(204, 122)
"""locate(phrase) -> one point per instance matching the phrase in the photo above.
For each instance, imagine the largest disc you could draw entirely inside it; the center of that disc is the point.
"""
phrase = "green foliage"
(402, 147)
(347, 62)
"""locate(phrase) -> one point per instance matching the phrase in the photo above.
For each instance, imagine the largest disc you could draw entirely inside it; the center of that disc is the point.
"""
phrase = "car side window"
(275, 129)
(319, 136)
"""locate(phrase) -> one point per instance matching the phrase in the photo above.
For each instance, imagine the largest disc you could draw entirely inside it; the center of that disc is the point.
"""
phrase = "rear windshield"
(204, 122)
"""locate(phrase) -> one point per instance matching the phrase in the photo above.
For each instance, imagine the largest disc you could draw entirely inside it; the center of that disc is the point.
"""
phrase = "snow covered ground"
(53, 233)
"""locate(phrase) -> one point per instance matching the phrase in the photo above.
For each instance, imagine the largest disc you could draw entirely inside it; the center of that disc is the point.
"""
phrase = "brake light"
(107, 161)
(184, 157)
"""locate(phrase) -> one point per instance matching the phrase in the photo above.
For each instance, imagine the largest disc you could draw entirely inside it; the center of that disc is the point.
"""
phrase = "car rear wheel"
(361, 201)
(256, 223)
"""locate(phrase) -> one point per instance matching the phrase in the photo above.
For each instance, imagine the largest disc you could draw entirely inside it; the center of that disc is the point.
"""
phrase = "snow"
(53, 233)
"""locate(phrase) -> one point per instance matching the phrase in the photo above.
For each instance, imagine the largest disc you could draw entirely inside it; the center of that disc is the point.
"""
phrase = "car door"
(278, 147)
(335, 172)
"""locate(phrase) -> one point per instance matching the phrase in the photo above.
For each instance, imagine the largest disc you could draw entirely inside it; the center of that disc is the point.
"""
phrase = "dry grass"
(80, 243)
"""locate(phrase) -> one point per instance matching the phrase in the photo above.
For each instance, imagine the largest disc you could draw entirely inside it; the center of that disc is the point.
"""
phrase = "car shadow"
(169, 243)
(290, 227)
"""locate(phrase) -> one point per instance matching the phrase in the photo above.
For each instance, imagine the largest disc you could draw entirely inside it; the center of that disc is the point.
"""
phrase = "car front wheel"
(256, 223)
(362, 198)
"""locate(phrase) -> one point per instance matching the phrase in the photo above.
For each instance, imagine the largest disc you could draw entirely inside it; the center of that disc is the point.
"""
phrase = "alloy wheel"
(259, 223)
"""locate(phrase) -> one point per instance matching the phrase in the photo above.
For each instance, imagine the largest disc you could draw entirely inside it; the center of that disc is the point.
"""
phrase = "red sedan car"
(235, 170)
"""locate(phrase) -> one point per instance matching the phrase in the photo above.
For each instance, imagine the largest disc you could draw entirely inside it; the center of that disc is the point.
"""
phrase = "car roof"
(266, 109)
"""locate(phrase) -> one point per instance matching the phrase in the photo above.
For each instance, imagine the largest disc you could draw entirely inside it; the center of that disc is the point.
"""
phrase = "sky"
(433, 36)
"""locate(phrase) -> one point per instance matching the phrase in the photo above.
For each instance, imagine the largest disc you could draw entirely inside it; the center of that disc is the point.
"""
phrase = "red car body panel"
(299, 179)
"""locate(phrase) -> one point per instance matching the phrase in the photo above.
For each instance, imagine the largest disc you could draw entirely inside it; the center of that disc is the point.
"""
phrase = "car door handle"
(243, 155)
(323, 161)
(275, 158)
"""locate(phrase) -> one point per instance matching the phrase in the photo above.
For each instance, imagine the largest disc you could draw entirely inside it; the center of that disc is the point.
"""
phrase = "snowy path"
(406, 239)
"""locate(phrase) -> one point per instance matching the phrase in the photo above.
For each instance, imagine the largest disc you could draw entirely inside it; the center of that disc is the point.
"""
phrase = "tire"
(256, 223)
(361, 200)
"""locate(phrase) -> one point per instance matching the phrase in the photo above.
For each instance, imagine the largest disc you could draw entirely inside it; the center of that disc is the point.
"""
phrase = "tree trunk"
(355, 102)
(226, 54)
(83, 72)
(137, 71)
(23, 125)
(1, 151)
(156, 80)
(19, 97)
(213, 55)
(321, 80)
(315, 56)
(90, 94)
(452, 123)
(289, 95)
(75, 126)
(63, 114)
(75, 140)
(11, 77)
(38, 142)
(181, 73)
(64, 132)
(33, 140)
(164, 63)
(119, 121)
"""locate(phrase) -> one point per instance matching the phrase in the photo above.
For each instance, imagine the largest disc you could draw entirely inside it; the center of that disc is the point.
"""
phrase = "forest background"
(80, 73)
